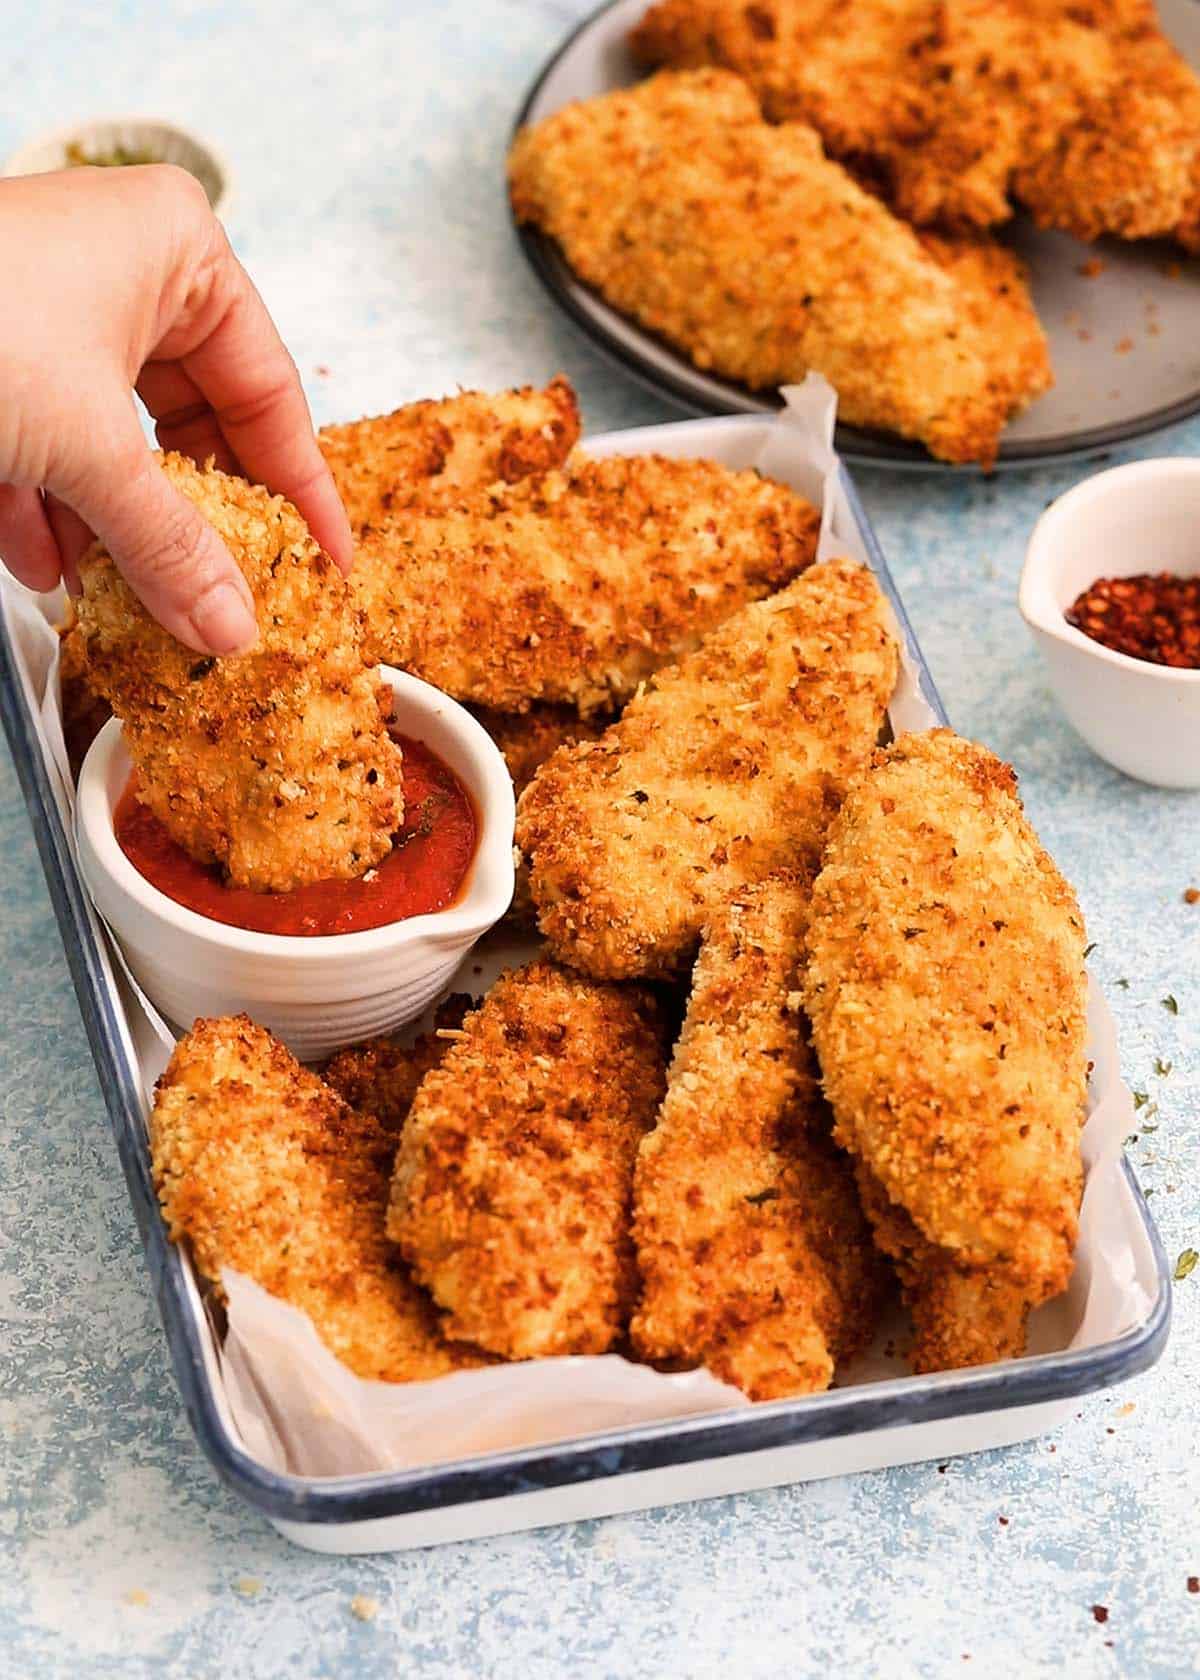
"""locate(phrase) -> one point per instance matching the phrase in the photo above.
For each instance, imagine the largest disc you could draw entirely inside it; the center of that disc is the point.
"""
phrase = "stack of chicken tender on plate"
(637, 1143)
(809, 184)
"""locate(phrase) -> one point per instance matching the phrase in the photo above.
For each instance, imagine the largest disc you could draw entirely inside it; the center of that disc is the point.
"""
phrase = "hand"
(122, 279)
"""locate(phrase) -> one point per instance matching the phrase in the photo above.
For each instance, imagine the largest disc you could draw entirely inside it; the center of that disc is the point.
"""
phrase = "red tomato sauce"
(425, 870)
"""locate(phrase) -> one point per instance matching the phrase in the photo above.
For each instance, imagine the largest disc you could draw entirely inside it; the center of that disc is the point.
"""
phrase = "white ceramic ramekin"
(1145, 517)
(162, 140)
(315, 994)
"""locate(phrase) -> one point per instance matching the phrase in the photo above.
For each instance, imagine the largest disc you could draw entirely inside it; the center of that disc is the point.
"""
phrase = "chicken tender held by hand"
(573, 586)
(729, 766)
(946, 987)
(511, 1196)
(742, 244)
(755, 1257)
(429, 454)
(263, 1169)
(275, 764)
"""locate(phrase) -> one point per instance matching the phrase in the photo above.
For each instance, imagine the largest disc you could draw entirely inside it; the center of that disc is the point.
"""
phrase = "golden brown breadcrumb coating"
(755, 1257)
(513, 1180)
(946, 987)
(527, 739)
(1085, 113)
(729, 766)
(428, 454)
(275, 764)
(960, 1315)
(742, 244)
(382, 1075)
(262, 1168)
(575, 585)
(84, 711)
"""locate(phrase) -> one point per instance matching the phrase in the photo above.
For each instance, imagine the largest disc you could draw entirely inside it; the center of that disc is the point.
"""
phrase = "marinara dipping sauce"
(424, 871)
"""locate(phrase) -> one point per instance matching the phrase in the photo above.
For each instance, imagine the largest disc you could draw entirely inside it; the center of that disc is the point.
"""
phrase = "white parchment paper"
(298, 1409)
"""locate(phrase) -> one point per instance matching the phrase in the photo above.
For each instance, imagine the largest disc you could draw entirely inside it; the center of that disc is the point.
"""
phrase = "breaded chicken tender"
(84, 710)
(275, 764)
(743, 245)
(1085, 113)
(755, 1257)
(961, 1316)
(382, 1075)
(429, 454)
(573, 586)
(511, 1196)
(527, 739)
(729, 766)
(947, 993)
(263, 1169)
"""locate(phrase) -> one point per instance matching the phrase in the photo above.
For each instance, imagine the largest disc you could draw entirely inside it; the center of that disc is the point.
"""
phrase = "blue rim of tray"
(783, 1423)
(854, 443)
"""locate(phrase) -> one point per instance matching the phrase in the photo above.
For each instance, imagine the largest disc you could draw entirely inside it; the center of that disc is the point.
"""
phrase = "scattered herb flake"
(1140, 1099)
(761, 1196)
(1088, 950)
(1124, 985)
(1170, 1004)
(1162, 1068)
(1186, 1264)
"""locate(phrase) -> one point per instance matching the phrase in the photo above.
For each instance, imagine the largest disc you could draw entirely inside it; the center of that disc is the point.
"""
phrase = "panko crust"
(946, 988)
(755, 1257)
(1087, 114)
(84, 710)
(742, 244)
(512, 1188)
(729, 766)
(528, 739)
(262, 1168)
(382, 1075)
(429, 454)
(961, 1315)
(274, 764)
(573, 586)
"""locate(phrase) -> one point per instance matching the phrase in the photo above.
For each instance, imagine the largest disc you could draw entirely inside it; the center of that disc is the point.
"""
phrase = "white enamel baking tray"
(895, 1421)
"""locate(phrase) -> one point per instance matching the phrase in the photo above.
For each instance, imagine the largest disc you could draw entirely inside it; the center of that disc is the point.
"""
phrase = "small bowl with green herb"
(113, 142)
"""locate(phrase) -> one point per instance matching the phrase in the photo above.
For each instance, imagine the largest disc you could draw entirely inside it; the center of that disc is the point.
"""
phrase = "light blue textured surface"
(367, 144)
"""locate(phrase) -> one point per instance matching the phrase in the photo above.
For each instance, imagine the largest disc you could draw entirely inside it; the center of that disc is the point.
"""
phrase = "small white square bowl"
(316, 994)
(1145, 517)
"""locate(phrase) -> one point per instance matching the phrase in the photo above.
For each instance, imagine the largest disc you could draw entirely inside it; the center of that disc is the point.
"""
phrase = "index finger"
(244, 371)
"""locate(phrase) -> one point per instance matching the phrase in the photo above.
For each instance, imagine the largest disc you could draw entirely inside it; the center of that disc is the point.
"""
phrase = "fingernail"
(223, 621)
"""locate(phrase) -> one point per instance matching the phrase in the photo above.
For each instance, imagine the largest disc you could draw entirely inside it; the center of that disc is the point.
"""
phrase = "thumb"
(169, 555)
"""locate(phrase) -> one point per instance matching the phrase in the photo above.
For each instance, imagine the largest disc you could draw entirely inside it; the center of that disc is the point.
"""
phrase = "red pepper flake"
(1003, 1521)
(1153, 616)
(1194, 1583)
(1100, 1611)
(1123, 346)
(1191, 895)
(1091, 268)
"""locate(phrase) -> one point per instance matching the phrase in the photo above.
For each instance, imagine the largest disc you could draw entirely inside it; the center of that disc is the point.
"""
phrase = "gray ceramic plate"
(1124, 341)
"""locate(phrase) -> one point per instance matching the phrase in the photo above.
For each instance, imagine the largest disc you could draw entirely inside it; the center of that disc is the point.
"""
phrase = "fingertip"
(221, 620)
